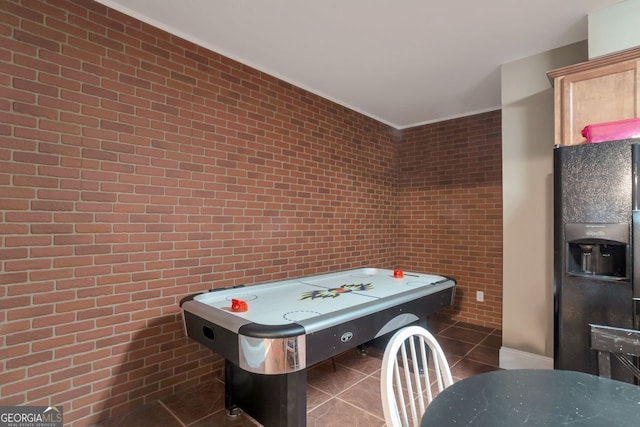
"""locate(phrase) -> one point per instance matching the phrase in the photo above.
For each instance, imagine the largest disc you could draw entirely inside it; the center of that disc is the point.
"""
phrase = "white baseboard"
(510, 358)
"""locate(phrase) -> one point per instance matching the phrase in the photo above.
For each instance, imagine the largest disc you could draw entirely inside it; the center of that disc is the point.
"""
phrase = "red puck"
(238, 305)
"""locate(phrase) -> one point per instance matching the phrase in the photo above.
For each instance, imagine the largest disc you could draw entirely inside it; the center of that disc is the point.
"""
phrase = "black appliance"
(596, 215)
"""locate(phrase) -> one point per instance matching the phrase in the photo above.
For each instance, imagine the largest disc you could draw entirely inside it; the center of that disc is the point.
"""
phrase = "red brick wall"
(137, 168)
(450, 209)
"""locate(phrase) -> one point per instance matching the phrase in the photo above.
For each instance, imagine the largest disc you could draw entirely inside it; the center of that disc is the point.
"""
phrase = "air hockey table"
(269, 334)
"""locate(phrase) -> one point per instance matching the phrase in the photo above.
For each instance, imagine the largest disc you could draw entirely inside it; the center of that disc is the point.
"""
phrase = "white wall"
(527, 164)
(614, 28)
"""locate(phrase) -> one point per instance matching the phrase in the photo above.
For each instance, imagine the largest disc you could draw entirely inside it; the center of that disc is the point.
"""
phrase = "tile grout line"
(474, 346)
(322, 402)
(337, 397)
(359, 408)
(172, 414)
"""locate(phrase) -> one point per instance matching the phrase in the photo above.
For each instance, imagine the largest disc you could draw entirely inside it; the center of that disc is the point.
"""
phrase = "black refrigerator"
(596, 214)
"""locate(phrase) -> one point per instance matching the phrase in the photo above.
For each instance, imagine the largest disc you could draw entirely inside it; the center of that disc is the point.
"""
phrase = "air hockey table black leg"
(362, 350)
(272, 400)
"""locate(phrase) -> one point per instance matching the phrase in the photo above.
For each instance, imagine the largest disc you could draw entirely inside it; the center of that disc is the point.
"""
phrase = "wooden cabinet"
(602, 90)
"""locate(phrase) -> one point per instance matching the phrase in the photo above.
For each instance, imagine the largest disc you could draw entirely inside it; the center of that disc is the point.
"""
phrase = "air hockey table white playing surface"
(308, 299)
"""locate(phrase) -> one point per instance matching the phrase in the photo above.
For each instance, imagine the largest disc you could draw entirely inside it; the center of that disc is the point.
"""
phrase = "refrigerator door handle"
(636, 313)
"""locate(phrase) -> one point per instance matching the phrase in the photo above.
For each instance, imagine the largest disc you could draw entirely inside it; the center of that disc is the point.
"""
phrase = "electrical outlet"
(479, 296)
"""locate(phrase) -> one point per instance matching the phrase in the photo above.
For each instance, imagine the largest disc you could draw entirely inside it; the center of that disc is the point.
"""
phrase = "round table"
(535, 397)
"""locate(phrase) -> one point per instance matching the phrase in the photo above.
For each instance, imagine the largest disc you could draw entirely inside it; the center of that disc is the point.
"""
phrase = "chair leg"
(604, 364)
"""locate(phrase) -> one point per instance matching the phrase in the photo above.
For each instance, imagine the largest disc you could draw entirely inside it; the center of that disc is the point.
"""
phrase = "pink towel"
(612, 131)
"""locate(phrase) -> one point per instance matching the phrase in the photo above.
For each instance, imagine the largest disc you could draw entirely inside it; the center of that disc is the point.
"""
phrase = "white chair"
(409, 359)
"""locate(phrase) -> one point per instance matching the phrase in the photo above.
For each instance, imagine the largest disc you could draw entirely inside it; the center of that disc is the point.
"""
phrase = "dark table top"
(535, 397)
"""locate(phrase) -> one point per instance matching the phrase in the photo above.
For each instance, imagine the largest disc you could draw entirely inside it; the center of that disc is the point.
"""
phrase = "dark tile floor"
(346, 396)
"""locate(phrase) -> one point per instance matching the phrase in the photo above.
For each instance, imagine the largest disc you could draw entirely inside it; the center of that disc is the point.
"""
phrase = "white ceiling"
(402, 62)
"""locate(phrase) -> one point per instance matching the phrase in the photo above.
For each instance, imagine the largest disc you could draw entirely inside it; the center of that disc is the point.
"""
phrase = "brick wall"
(450, 209)
(137, 168)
